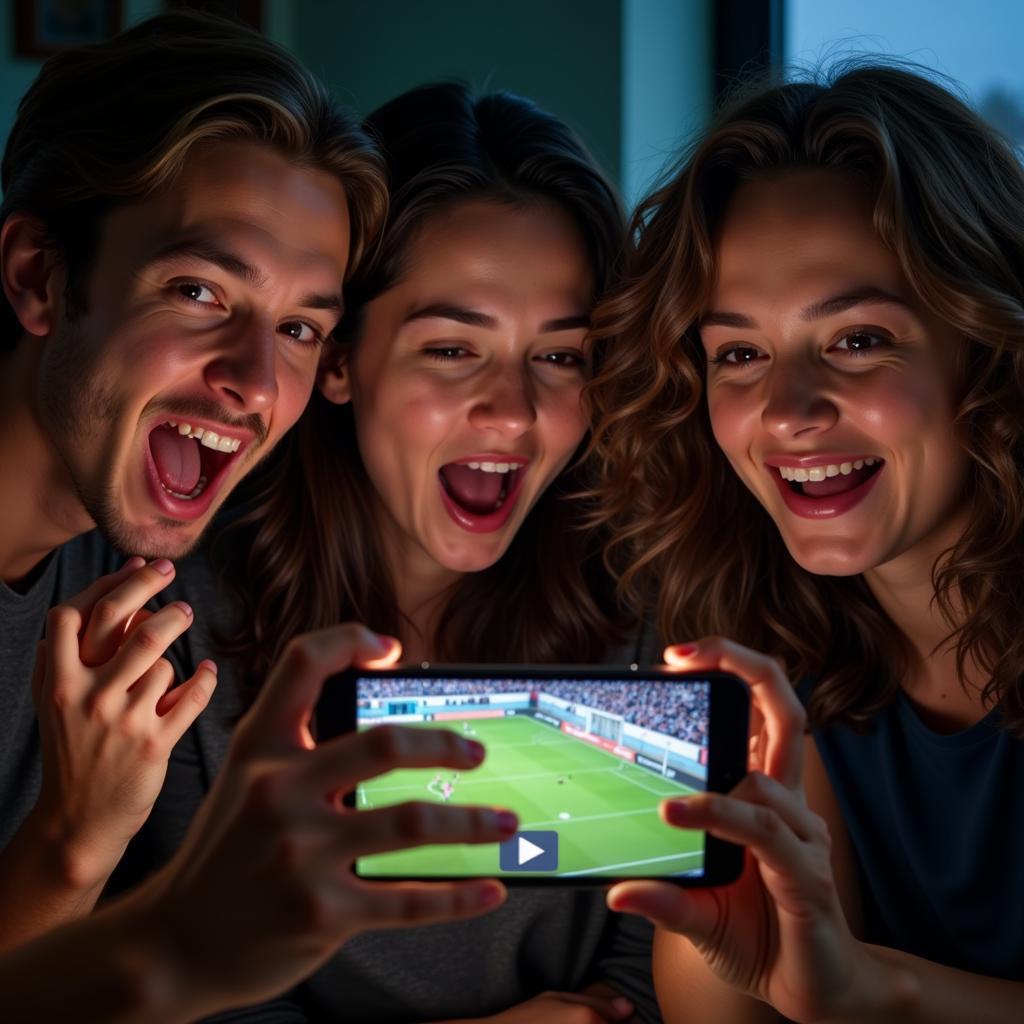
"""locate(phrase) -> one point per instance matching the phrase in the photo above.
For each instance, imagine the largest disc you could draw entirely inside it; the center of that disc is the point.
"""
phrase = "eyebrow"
(474, 318)
(816, 310)
(236, 266)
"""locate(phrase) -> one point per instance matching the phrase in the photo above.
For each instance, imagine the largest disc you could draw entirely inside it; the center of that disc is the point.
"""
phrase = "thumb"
(694, 913)
(280, 715)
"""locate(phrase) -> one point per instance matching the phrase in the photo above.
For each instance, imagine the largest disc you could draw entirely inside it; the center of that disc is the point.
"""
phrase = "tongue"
(176, 459)
(475, 490)
(836, 484)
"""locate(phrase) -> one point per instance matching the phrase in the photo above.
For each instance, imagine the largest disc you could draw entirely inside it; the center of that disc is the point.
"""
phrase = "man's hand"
(262, 892)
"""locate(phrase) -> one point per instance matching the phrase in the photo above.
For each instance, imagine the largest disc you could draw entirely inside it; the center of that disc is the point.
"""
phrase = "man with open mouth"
(172, 266)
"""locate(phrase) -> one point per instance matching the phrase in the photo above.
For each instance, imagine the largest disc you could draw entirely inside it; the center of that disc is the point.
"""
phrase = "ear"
(32, 276)
(335, 381)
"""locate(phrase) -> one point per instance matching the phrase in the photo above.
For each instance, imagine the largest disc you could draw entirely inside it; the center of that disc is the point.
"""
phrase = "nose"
(506, 406)
(243, 371)
(796, 403)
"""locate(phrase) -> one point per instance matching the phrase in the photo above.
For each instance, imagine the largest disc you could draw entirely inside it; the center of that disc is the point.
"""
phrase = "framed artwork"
(44, 27)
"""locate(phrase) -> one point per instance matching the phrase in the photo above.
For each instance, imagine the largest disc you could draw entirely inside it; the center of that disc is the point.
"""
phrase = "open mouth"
(828, 480)
(480, 488)
(190, 460)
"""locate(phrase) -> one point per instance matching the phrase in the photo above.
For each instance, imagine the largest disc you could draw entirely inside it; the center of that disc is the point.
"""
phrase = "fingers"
(691, 912)
(279, 716)
(88, 597)
(775, 825)
(772, 694)
(400, 904)
(340, 763)
(182, 706)
(418, 823)
(108, 614)
(148, 642)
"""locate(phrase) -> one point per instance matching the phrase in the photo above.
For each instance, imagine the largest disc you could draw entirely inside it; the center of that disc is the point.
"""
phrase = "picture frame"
(45, 27)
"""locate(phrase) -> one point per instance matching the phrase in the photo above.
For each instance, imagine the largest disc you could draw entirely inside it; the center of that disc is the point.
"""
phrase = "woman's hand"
(778, 933)
(108, 717)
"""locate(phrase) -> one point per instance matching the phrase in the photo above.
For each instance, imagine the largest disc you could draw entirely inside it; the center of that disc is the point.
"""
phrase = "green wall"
(565, 54)
(633, 77)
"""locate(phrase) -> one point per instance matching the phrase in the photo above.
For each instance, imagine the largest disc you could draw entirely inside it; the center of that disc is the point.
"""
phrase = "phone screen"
(584, 762)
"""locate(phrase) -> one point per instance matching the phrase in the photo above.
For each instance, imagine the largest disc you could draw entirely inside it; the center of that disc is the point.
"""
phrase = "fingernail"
(210, 666)
(677, 812)
(507, 822)
(133, 563)
(163, 565)
(621, 1005)
(476, 751)
(384, 642)
(489, 896)
(684, 650)
(184, 608)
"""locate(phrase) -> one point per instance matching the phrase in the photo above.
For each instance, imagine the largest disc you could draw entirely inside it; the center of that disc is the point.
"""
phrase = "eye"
(302, 332)
(196, 291)
(736, 355)
(570, 359)
(858, 343)
(447, 353)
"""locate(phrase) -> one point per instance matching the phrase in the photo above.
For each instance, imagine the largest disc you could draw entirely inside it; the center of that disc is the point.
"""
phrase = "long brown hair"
(307, 552)
(949, 202)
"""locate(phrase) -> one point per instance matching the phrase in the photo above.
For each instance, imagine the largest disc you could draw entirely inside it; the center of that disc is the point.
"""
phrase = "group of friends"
(283, 393)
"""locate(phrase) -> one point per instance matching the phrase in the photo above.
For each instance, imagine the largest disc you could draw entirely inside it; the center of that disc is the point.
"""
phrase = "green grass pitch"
(612, 828)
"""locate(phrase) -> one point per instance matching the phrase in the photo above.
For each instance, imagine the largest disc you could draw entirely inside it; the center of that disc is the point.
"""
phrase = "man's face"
(206, 307)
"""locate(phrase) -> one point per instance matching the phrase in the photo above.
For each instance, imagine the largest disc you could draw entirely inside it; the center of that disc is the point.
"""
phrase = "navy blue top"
(937, 823)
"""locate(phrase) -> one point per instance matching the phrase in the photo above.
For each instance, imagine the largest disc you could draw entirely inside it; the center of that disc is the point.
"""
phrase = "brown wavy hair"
(949, 202)
(113, 122)
(307, 550)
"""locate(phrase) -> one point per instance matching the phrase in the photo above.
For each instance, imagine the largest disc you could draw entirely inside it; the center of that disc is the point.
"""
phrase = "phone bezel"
(727, 748)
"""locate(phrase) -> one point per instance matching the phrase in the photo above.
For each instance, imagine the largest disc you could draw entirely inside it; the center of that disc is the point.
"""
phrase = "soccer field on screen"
(605, 809)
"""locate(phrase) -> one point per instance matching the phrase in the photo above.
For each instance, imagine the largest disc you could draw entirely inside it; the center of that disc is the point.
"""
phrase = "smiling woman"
(424, 490)
(821, 333)
(429, 492)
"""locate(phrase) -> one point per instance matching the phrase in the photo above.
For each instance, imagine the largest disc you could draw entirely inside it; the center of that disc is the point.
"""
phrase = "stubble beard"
(77, 410)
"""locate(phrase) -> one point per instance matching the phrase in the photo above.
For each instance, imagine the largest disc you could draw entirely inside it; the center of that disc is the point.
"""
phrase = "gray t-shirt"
(541, 939)
(63, 574)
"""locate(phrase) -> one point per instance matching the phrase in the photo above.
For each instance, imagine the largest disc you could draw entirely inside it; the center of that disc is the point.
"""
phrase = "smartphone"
(583, 755)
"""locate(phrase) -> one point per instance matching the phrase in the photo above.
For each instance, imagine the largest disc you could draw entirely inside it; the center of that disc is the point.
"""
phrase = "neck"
(422, 590)
(905, 591)
(43, 510)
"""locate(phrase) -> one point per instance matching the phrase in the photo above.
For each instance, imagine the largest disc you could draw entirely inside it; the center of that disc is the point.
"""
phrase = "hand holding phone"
(779, 934)
(583, 755)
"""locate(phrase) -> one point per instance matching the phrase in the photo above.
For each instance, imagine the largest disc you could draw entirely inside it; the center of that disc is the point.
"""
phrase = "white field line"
(498, 779)
(562, 822)
(625, 774)
(630, 864)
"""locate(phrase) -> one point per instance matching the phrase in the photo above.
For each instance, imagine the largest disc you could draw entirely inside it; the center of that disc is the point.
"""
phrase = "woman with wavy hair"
(811, 428)
(424, 494)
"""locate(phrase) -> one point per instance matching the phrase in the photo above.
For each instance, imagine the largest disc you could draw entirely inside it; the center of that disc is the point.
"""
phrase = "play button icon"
(530, 851)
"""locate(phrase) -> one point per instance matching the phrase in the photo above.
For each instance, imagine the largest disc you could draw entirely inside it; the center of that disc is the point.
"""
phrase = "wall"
(633, 77)
(565, 54)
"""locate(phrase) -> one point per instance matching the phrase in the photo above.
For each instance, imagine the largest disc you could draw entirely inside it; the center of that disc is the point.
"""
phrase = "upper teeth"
(493, 467)
(208, 438)
(815, 473)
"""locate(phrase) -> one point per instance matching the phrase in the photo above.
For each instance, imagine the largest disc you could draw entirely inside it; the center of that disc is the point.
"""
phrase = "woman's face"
(466, 379)
(830, 389)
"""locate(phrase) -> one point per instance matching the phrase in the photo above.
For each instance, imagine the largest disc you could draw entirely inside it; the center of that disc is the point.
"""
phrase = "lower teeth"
(197, 490)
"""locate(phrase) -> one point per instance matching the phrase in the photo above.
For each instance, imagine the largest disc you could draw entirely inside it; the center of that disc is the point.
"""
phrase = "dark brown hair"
(113, 122)
(307, 552)
(949, 202)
